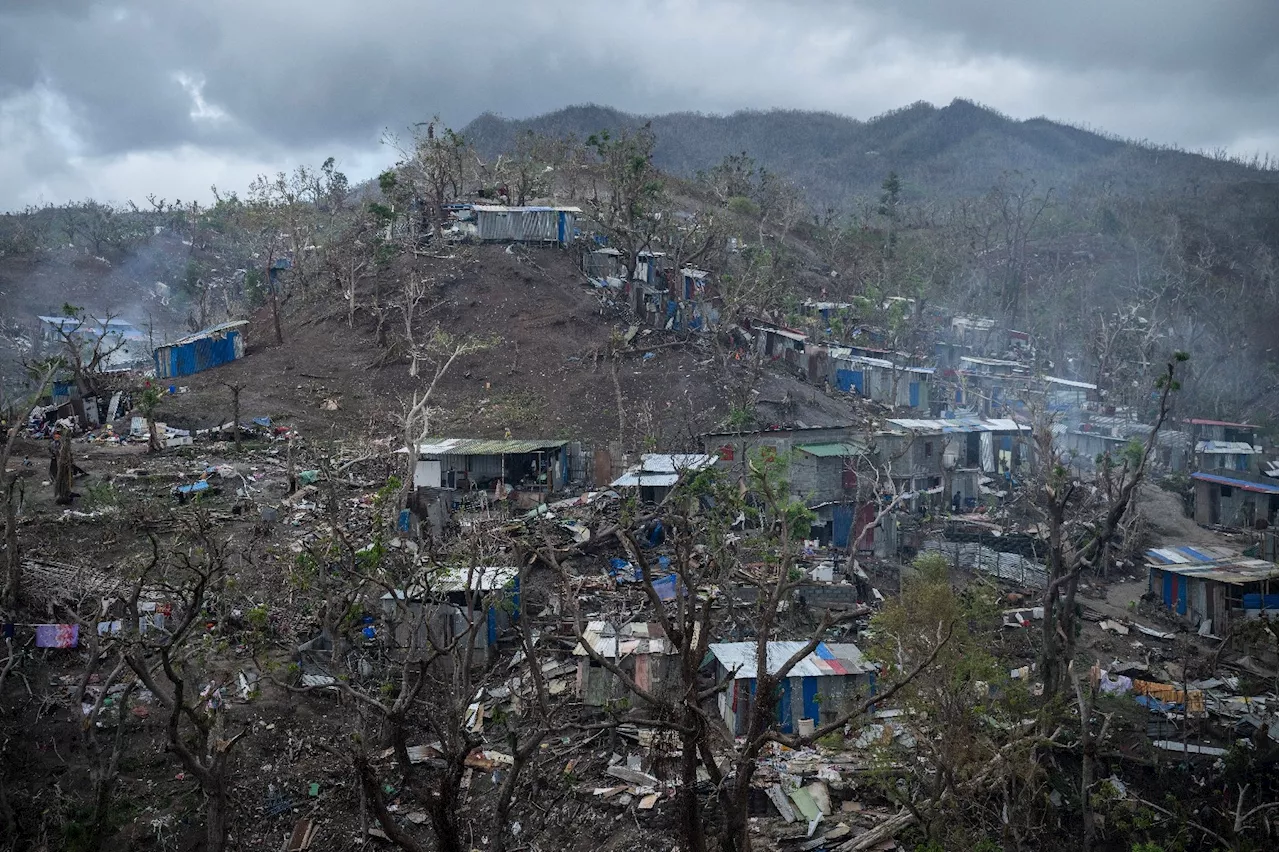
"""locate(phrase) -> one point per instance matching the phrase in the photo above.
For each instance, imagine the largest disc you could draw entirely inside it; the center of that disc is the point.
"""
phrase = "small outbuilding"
(445, 607)
(204, 350)
(536, 465)
(499, 223)
(817, 690)
(640, 649)
(658, 473)
(1212, 584)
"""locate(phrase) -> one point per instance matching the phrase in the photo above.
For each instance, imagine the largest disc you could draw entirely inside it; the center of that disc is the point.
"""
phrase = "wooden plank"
(303, 833)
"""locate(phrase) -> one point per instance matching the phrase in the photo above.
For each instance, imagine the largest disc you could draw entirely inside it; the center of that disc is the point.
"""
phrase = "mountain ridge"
(958, 150)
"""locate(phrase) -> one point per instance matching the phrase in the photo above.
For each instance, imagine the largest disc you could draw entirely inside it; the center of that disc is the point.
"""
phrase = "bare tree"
(441, 351)
(1082, 524)
(706, 554)
(11, 488)
(191, 572)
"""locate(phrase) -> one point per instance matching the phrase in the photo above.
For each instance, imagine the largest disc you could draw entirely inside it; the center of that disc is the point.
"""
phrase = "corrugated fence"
(976, 557)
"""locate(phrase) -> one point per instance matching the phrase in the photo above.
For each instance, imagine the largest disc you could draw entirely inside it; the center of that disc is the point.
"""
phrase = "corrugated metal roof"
(634, 479)
(829, 450)
(1220, 564)
(1185, 554)
(1227, 447)
(481, 578)
(782, 332)
(485, 446)
(94, 325)
(1242, 484)
(961, 424)
(1196, 421)
(739, 659)
(990, 362)
(500, 208)
(209, 332)
(1071, 383)
(638, 637)
(663, 469)
(675, 462)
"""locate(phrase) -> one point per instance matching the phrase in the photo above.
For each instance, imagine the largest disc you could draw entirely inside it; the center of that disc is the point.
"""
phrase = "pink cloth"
(57, 635)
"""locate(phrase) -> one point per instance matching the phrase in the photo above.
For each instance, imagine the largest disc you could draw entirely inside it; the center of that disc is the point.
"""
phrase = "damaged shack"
(817, 690)
(534, 467)
(1212, 584)
(658, 473)
(204, 350)
(449, 603)
(640, 649)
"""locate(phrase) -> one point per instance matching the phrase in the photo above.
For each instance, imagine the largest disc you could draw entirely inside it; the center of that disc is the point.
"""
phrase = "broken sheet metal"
(1023, 617)
(739, 659)
(1190, 748)
(638, 637)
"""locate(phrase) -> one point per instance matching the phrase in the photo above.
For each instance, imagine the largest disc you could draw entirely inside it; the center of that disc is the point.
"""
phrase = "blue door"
(913, 390)
(809, 694)
(842, 521)
(784, 706)
(1168, 590)
(1181, 583)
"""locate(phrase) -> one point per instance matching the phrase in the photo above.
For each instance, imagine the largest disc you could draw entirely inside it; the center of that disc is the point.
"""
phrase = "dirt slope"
(547, 377)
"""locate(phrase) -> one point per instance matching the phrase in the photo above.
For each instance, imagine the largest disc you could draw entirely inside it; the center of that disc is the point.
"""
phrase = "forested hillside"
(955, 151)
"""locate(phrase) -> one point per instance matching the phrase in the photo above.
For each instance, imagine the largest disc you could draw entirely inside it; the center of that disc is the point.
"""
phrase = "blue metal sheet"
(849, 380)
(841, 524)
(784, 706)
(1168, 590)
(809, 697)
(1181, 583)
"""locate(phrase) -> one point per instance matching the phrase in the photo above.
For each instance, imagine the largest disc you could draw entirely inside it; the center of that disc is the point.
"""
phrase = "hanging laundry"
(57, 635)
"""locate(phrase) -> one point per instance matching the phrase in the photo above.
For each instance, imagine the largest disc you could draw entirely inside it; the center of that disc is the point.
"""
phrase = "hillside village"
(510, 513)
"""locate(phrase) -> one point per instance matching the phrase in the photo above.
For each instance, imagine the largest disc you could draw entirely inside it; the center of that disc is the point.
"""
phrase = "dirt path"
(1169, 525)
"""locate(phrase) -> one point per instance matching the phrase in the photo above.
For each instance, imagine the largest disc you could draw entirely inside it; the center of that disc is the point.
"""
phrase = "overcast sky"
(118, 100)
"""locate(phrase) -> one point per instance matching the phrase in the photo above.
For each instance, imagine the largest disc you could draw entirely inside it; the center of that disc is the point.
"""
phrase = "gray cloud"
(122, 99)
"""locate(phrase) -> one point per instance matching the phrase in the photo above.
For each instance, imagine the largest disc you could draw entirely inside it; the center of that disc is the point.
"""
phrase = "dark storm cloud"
(113, 95)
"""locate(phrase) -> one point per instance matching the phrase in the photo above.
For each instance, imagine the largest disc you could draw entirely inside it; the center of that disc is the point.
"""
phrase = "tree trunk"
(737, 833)
(216, 810)
(351, 295)
(65, 471)
(690, 818)
(443, 811)
(235, 416)
(275, 313)
(12, 555)
(1051, 658)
